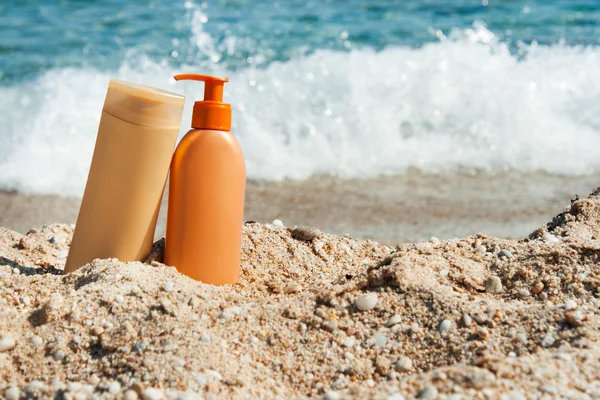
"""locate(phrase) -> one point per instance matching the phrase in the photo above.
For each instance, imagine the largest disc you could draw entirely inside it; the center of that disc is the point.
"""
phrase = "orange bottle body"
(206, 207)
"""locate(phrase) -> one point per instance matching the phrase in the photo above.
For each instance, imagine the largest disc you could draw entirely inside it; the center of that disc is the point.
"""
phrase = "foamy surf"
(463, 103)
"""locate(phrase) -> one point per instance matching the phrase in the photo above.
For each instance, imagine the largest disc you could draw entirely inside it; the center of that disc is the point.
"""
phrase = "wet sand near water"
(391, 210)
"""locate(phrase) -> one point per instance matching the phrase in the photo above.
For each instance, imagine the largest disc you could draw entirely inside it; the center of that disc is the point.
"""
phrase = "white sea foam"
(463, 103)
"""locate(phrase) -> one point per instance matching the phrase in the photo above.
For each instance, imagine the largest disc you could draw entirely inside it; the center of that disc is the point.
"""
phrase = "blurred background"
(393, 120)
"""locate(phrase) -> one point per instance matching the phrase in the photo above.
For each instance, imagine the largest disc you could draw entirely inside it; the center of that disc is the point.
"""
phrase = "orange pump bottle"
(206, 193)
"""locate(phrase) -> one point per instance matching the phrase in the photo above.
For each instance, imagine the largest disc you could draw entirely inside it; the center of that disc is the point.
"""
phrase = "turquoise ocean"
(352, 88)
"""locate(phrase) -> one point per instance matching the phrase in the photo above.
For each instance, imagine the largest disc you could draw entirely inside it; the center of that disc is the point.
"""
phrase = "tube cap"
(210, 113)
(143, 105)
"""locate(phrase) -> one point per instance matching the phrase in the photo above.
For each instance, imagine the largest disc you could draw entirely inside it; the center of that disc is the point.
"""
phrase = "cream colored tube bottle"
(137, 134)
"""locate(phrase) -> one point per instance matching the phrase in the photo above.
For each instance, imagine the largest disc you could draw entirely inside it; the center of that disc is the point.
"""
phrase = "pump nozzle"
(210, 113)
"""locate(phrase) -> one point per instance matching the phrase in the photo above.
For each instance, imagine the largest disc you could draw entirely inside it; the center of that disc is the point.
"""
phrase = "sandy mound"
(335, 317)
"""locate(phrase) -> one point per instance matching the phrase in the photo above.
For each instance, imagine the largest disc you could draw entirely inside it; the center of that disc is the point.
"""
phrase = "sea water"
(353, 88)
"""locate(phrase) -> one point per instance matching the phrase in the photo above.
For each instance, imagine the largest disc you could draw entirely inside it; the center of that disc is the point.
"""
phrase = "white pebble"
(404, 364)
(570, 305)
(277, 222)
(59, 355)
(7, 343)
(445, 325)
(25, 300)
(169, 286)
(152, 394)
(429, 393)
(34, 386)
(366, 302)
(481, 249)
(119, 298)
(550, 238)
(521, 337)
(395, 396)
(523, 293)
(12, 393)
(514, 395)
(434, 240)
(393, 321)
(467, 320)
(114, 387)
(444, 273)
(380, 339)
(130, 395)
(74, 387)
(62, 254)
(331, 395)
(205, 338)
(36, 341)
(493, 284)
(548, 340)
(348, 343)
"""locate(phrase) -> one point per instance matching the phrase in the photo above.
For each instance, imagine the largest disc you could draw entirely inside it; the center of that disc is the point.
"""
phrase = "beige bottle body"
(136, 137)
(206, 207)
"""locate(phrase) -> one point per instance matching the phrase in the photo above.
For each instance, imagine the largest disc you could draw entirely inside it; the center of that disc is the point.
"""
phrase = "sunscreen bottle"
(138, 131)
(206, 193)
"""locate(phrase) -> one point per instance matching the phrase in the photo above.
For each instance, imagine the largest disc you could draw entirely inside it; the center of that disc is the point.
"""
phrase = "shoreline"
(391, 209)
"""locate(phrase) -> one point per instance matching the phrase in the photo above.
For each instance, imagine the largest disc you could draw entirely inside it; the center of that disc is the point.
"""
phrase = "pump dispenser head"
(210, 113)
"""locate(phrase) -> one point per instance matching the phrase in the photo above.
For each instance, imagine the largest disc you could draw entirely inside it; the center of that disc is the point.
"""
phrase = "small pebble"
(97, 331)
(493, 284)
(74, 387)
(393, 321)
(395, 396)
(7, 343)
(434, 240)
(537, 288)
(445, 325)
(429, 393)
(12, 393)
(444, 273)
(306, 233)
(570, 305)
(467, 320)
(59, 355)
(481, 249)
(130, 395)
(514, 395)
(348, 343)
(277, 222)
(404, 364)
(114, 387)
(366, 302)
(523, 293)
(548, 340)
(25, 300)
(169, 286)
(152, 394)
(119, 298)
(548, 389)
(505, 253)
(330, 324)
(331, 395)
(34, 386)
(380, 339)
(550, 238)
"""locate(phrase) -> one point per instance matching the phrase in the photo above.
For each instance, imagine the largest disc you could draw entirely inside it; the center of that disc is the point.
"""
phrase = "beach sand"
(390, 210)
(333, 317)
